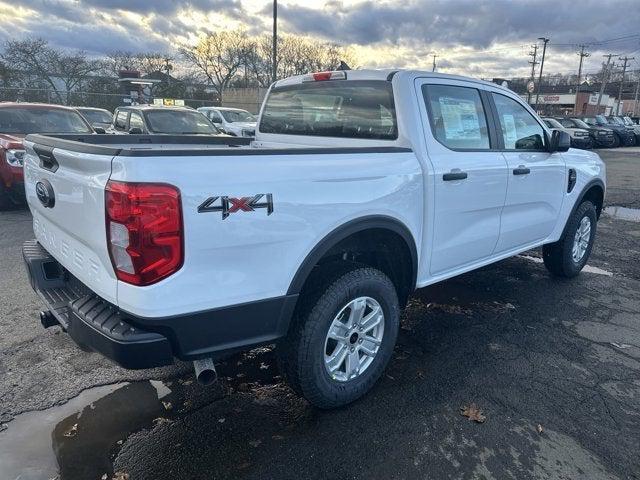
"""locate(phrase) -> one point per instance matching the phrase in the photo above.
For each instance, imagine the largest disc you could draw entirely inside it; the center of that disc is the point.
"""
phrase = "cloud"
(480, 37)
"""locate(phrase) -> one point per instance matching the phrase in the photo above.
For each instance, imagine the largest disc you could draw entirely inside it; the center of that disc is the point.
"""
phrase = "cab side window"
(135, 121)
(520, 130)
(120, 123)
(457, 117)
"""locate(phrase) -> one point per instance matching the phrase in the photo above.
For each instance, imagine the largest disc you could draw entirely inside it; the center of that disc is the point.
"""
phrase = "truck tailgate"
(65, 193)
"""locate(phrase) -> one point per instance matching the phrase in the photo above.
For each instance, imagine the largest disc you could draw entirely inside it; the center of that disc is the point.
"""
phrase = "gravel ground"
(553, 365)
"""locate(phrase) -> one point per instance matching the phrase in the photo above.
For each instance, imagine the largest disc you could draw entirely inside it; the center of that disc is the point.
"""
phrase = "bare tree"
(218, 57)
(53, 67)
(34, 58)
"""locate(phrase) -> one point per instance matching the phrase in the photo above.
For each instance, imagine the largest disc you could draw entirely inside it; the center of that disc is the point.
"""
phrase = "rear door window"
(457, 117)
(338, 108)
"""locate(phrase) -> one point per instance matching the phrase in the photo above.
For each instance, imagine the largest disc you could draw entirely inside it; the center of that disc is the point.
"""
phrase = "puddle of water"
(586, 268)
(77, 439)
(623, 213)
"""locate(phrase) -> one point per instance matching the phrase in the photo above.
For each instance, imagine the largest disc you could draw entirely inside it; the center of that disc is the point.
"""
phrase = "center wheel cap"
(353, 338)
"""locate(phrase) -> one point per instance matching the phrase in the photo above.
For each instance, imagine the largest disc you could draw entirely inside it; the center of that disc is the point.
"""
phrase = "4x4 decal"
(228, 205)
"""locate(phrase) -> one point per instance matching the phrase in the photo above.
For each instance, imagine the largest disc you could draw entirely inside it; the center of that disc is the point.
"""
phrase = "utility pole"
(544, 51)
(635, 100)
(533, 64)
(433, 69)
(167, 67)
(624, 71)
(582, 54)
(274, 72)
(605, 77)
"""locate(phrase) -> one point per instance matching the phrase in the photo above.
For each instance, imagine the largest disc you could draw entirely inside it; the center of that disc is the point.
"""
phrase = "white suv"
(232, 121)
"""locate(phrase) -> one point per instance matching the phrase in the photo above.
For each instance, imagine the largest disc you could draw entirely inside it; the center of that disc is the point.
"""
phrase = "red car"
(18, 120)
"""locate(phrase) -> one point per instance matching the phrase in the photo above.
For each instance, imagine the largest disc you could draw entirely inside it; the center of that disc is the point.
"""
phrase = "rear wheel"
(616, 141)
(568, 256)
(342, 337)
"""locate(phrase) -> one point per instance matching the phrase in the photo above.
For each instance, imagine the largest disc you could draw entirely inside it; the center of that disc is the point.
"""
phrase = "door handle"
(448, 177)
(521, 170)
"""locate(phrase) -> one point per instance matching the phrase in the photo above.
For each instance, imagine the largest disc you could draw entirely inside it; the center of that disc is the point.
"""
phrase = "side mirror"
(99, 130)
(135, 131)
(560, 141)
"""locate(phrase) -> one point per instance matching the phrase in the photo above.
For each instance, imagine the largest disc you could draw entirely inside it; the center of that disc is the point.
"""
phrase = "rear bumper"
(135, 342)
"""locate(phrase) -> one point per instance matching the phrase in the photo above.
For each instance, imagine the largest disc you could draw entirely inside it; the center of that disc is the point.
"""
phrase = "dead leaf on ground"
(167, 405)
(539, 428)
(473, 412)
(120, 476)
(72, 431)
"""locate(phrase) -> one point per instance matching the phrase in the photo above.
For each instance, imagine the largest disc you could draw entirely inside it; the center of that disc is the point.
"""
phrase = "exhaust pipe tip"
(47, 319)
(205, 371)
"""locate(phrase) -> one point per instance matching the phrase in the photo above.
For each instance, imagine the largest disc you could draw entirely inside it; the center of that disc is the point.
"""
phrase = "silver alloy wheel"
(353, 339)
(581, 240)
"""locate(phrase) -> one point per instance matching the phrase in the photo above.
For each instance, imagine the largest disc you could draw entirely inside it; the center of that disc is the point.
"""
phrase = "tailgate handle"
(47, 158)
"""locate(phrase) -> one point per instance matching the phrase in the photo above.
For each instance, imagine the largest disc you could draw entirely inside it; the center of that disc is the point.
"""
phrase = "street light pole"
(274, 71)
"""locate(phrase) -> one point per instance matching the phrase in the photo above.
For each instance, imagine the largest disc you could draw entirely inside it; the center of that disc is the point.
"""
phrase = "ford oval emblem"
(44, 191)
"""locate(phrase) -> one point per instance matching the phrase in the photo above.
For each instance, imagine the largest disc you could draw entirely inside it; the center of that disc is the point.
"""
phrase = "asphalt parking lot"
(554, 366)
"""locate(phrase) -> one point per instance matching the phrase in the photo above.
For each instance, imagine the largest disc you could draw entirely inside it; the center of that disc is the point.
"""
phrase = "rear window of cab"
(337, 108)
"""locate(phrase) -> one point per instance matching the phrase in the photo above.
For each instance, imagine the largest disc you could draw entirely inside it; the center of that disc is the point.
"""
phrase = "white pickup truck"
(360, 187)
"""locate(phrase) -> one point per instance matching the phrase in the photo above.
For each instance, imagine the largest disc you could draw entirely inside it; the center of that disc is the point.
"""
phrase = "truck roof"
(387, 74)
(34, 105)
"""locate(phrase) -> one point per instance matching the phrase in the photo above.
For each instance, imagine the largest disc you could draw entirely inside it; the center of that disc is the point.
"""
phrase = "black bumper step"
(91, 321)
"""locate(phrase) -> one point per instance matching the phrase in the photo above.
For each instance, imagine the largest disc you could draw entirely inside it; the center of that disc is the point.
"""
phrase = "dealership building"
(565, 103)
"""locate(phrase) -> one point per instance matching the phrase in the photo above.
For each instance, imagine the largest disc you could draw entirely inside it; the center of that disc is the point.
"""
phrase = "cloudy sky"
(475, 37)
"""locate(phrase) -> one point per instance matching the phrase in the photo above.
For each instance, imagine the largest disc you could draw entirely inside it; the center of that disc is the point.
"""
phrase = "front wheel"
(568, 256)
(342, 337)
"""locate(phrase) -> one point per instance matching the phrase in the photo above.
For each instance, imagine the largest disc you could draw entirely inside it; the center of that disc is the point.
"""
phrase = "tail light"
(144, 231)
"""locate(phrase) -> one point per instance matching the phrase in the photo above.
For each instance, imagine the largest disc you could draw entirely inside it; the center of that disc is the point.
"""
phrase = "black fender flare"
(595, 182)
(345, 230)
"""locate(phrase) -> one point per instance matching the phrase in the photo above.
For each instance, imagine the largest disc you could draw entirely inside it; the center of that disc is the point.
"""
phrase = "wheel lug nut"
(360, 341)
(352, 349)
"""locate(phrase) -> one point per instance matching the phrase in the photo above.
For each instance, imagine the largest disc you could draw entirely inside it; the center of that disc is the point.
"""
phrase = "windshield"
(627, 121)
(96, 116)
(615, 121)
(578, 123)
(552, 123)
(179, 122)
(354, 109)
(590, 120)
(41, 120)
(232, 116)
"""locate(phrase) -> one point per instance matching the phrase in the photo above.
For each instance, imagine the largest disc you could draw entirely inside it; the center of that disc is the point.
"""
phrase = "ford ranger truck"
(360, 187)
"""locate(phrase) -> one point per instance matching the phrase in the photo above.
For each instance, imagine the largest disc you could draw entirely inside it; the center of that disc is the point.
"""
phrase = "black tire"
(616, 141)
(558, 256)
(301, 353)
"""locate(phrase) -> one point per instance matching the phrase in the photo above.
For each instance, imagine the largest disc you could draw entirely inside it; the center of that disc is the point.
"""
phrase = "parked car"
(313, 235)
(623, 136)
(633, 126)
(18, 120)
(233, 121)
(99, 118)
(152, 119)
(600, 136)
(579, 137)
